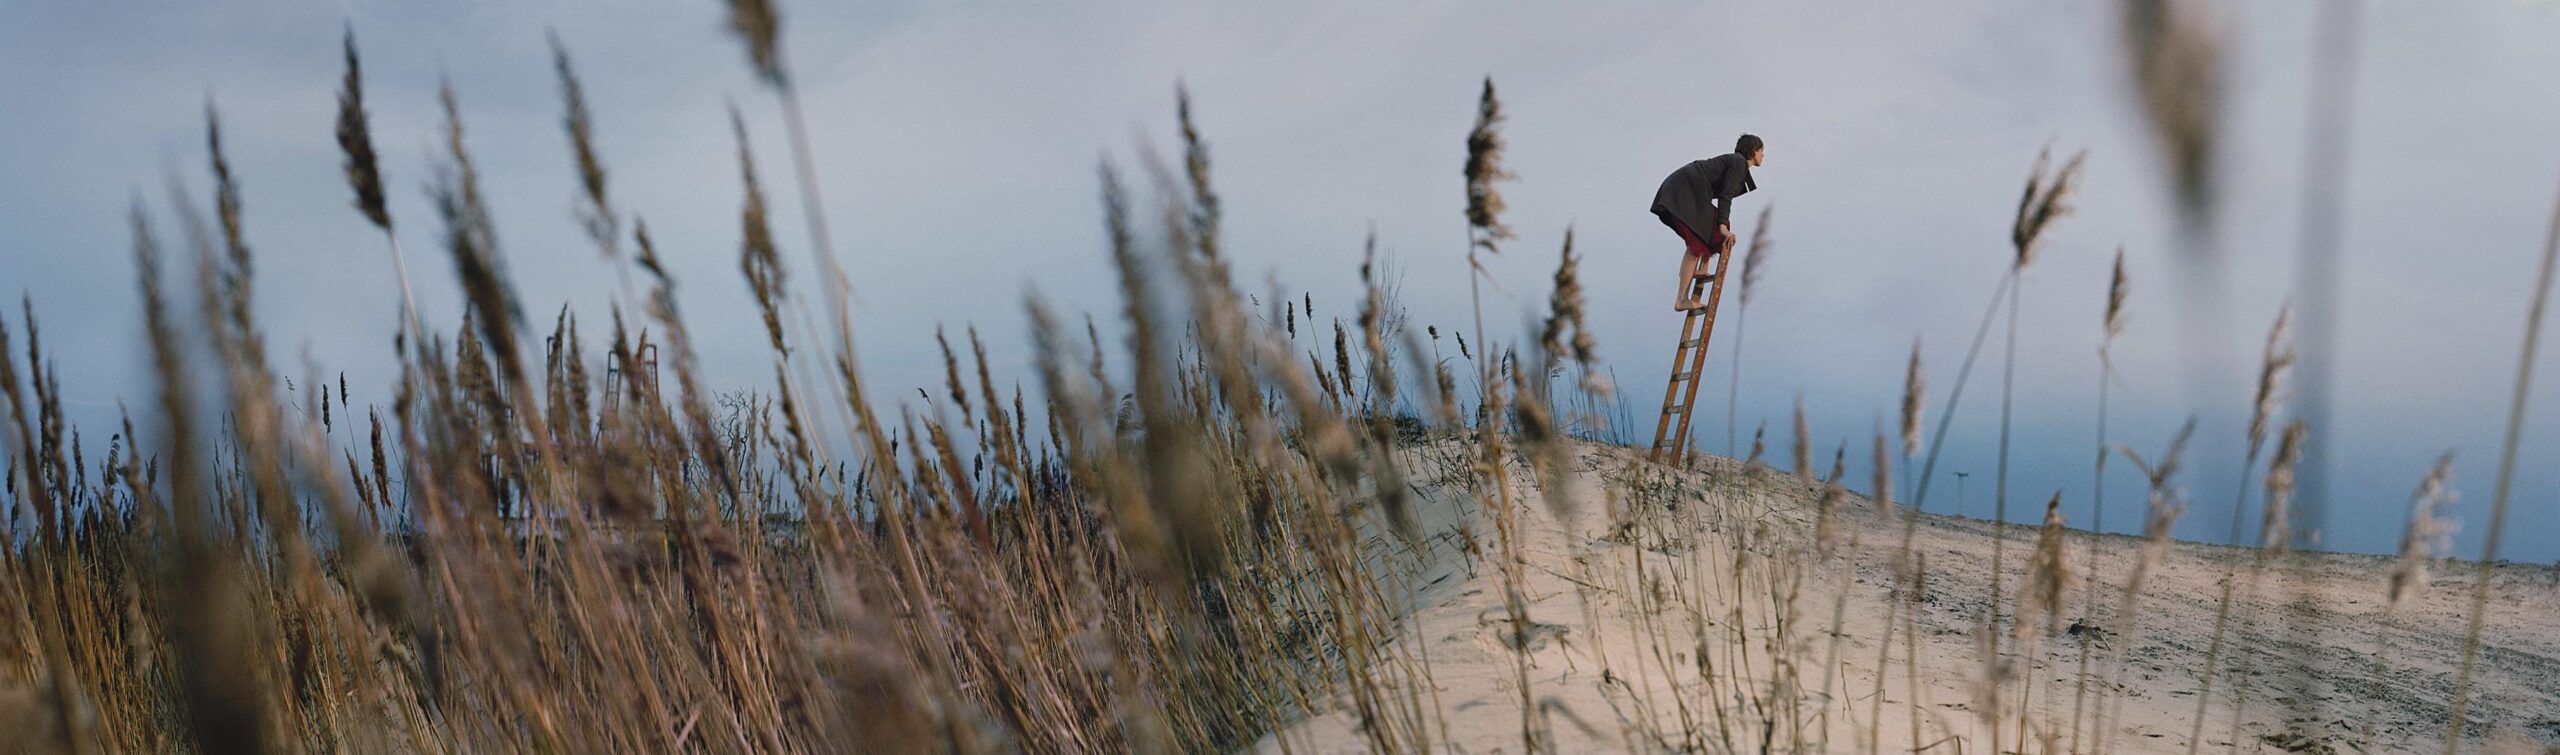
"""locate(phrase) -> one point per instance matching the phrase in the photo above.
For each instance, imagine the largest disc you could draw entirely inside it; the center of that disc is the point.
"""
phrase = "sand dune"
(1690, 611)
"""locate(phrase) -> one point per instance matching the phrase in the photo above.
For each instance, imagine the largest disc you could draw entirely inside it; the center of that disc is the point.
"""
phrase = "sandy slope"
(1714, 564)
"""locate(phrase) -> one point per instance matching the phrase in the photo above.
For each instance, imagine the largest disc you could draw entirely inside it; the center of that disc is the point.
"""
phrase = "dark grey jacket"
(1700, 194)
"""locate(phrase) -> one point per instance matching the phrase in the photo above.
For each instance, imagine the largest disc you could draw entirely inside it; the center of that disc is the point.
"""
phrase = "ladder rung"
(1671, 410)
(1691, 342)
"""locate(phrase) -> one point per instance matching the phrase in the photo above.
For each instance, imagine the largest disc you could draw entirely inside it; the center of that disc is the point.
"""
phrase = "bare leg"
(1691, 265)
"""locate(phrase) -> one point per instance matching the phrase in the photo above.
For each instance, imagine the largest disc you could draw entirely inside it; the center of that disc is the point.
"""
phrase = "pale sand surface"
(1704, 565)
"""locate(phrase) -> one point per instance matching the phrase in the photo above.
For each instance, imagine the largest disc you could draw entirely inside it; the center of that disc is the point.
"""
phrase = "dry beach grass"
(556, 537)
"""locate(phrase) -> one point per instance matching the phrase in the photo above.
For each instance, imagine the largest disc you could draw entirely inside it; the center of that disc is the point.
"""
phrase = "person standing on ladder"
(1700, 195)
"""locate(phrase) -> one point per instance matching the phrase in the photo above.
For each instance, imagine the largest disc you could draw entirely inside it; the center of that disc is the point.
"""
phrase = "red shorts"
(1697, 247)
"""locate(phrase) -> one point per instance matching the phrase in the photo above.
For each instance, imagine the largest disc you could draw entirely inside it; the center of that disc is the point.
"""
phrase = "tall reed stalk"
(1754, 255)
(2456, 718)
(2278, 360)
(2113, 327)
(364, 174)
(2166, 503)
(1486, 231)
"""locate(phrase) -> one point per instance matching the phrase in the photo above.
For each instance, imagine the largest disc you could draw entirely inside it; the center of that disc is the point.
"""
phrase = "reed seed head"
(1565, 310)
(951, 376)
(2176, 55)
(2161, 512)
(1204, 212)
(1826, 528)
(2275, 532)
(1882, 483)
(2167, 501)
(226, 206)
(1484, 168)
(1759, 444)
(1915, 387)
(237, 273)
(758, 25)
(2429, 534)
(598, 214)
(1445, 407)
(2047, 198)
(1803, 448)
(758, 258)
(1373, 327)
(472, 238)
(355, 138)
(1342, 358)
(2276, 363)
(2115, 302)
(2048, 577)
(1756, 254)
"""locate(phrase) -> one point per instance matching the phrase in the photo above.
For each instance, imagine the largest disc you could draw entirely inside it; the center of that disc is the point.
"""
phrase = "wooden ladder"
(1689, 362)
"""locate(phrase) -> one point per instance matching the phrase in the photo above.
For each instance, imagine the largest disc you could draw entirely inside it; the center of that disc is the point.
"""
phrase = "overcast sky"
(957, 143)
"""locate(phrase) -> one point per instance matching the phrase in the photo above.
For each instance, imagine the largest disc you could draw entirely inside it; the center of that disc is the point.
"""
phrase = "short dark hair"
(1746, 145)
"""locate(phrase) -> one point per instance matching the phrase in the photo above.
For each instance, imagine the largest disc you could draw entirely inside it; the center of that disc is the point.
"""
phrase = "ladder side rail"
(1671, 391)
(1698, 361)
